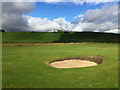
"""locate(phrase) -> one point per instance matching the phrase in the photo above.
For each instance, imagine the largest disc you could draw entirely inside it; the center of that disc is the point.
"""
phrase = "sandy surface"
(72, 64)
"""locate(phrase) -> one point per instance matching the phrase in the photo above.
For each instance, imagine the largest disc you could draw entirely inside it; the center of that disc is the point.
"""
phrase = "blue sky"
(66, 10)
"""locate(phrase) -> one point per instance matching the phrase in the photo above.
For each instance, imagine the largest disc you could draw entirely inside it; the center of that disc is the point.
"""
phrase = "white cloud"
(113, 31)
(100, 20)
(39, 24)
(78, 16)
(106, 14)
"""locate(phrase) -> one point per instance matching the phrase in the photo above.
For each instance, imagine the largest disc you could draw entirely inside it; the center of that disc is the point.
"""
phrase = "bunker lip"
(75, 62)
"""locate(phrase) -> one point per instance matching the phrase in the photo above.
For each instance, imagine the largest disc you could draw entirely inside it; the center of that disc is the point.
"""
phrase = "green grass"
(89, 37)
(29, 37)
(24, 66)
(63, 37)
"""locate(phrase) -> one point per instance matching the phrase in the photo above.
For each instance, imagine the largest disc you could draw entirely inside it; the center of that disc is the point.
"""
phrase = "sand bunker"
(73, 64)
(83, 61)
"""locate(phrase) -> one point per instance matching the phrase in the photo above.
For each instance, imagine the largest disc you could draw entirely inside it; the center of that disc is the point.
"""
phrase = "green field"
(25, 66)
(59, 37)
(29, 37)
(89, 37)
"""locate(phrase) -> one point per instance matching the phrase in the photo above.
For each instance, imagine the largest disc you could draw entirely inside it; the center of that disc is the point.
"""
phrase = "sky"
(67, 16)
(66, 10)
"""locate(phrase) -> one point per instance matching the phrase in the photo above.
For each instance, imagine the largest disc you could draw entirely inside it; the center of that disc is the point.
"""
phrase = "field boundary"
(35, 44)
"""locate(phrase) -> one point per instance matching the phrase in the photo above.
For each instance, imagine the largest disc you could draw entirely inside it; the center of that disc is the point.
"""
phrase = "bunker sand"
(72, 63)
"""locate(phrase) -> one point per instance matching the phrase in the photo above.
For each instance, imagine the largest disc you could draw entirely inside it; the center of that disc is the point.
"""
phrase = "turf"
(29, 37)
(25, 66)
(62, 37)
(89, 37)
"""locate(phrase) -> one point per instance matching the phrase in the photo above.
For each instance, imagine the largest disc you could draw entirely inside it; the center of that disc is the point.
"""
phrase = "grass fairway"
(24, 66)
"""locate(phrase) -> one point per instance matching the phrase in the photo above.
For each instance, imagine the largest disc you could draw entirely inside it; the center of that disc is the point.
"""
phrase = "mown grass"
(25, 66)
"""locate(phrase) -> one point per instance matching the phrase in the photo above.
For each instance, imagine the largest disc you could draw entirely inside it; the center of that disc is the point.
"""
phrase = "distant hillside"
(30, 37)
(62, 37)
(88, 37)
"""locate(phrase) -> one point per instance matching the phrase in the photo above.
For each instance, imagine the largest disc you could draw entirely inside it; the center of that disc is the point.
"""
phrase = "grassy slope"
(42, 37)
(28, 37)
(89, 37)
(24, 66)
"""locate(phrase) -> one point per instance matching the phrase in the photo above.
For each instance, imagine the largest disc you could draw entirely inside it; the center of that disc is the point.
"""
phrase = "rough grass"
(62, 37)
(89, 37)
(25, 66)
(29, 37)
